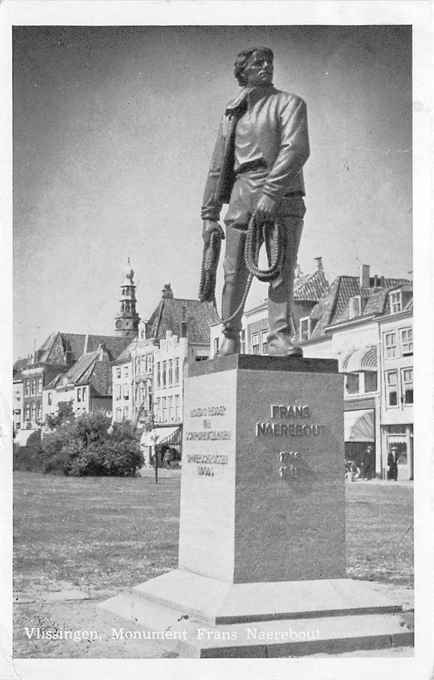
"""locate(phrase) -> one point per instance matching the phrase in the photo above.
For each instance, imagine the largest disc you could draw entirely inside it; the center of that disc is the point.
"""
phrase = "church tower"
(127, 321)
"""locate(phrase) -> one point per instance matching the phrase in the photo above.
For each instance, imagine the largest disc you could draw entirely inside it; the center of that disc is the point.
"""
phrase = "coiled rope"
(272, 233)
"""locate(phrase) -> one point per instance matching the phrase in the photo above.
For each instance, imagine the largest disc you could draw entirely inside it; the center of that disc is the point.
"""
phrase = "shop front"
(359, 432)
(398, 446)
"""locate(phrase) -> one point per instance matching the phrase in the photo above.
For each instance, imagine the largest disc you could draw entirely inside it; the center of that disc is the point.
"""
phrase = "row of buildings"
(363, 321)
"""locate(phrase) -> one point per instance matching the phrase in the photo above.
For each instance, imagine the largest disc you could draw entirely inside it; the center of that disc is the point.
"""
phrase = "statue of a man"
(256, 168)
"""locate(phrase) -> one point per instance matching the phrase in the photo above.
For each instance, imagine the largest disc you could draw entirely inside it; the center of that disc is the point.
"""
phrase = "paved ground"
(80, 541)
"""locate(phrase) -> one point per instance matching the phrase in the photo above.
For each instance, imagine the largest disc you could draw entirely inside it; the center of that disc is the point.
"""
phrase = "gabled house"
(87, 384)
(351, 323)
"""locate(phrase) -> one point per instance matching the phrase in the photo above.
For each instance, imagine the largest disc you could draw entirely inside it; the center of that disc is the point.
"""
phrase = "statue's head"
(254, 67)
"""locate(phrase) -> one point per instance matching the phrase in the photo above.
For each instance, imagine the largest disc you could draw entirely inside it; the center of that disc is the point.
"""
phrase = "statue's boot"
(230, 345)
(280, 344)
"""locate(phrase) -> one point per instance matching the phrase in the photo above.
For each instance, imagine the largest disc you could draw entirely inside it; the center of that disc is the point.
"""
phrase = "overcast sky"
(113, 131)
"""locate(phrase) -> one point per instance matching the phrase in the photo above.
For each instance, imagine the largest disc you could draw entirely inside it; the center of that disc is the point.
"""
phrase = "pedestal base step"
(200, 617)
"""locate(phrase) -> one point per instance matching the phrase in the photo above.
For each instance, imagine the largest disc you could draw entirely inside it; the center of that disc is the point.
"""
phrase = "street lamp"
(154, 439)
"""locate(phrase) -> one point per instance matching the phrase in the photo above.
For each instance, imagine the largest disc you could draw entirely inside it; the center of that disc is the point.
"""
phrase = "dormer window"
(395, 302)
(355, 306)
(305, 328)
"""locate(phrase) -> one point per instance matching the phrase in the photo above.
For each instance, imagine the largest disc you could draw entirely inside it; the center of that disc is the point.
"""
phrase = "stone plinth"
(262, 496)
(262, 532)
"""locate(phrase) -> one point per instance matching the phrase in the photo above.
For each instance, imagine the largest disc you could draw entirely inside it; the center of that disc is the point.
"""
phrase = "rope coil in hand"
(272, 233)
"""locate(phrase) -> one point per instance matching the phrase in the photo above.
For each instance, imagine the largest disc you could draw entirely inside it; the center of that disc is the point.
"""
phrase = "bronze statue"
(256, 168)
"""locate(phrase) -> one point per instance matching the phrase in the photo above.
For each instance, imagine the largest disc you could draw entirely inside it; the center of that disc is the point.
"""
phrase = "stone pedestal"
(262, 526)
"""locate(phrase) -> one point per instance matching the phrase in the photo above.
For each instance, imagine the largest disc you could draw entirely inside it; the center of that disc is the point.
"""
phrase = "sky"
(113, 128)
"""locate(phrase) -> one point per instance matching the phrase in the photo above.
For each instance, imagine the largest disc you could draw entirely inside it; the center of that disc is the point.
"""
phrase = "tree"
(65, 413)
(89, 445)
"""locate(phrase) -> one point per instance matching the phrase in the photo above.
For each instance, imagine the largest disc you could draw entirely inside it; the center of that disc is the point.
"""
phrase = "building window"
(264, 341)
(243, 341)
(125, 414)
(407, 341)
(407, 385)
(149, 362)
(27, 412)
(33, 412)
(39, 417)
(203, 357)
(395, 301)
(158, 374)
(118, 391)
(84, 394)
(177, 371)
(170, 378)
(157, 409)
(33, 387)
(118, 415)
(164, 409)
(171, 411)
(177, 408)
(216, 344)
(352, 383)
(370, 381)
(39, 385)
(255, 343)
(392, 388)
(164, 373)
(126, 371)
(126, 391)
(49, 398)
(304, 329)
(390, 345)
(118, 372)
(79, 394)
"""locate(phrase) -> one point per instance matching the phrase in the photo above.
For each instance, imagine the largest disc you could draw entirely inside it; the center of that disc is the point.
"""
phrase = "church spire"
(127, 321)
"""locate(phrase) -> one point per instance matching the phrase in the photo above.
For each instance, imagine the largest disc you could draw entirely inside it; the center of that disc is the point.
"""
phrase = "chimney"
(319, 264)
(364, 276)
(167, 292)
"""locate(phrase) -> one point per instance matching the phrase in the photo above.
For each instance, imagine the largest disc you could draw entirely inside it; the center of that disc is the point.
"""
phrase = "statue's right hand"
(209, 227)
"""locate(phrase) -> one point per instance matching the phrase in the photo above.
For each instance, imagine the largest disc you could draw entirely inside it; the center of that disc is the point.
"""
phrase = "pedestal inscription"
(262, 495)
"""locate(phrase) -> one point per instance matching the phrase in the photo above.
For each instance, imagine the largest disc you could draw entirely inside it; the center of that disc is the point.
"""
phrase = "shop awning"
(162, 435)
(359, 426)
(364, 359)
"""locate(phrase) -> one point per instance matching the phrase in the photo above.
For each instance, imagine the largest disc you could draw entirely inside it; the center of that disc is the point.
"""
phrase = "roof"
(125, 356)
(82, 368)
(171, 313)
(311, 287)
(334, 307)
(19, 364)
(65, 348)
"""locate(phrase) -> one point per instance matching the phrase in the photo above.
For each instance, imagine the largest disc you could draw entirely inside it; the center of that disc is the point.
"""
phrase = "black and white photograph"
(214, 427)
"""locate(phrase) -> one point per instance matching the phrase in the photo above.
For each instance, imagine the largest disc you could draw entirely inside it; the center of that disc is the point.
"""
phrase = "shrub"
(29, 458)
(91, 446)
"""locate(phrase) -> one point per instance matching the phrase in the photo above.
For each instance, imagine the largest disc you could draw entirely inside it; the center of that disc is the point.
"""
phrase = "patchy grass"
(379, 536)
(95, 534)
(90, 537)
(105, 533)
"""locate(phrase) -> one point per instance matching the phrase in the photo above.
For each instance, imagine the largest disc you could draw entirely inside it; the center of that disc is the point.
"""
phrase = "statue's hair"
(242, 58)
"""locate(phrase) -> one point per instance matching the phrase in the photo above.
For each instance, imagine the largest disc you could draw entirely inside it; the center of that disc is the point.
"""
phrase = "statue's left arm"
(293, 151)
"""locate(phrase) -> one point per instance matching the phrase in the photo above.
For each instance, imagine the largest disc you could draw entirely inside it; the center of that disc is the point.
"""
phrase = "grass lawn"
(104, 533)
(98, 535)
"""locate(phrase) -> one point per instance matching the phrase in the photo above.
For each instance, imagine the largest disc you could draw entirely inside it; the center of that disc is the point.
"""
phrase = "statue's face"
(258, 70)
